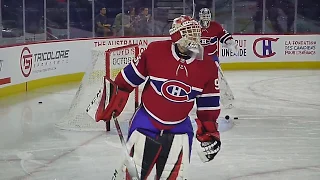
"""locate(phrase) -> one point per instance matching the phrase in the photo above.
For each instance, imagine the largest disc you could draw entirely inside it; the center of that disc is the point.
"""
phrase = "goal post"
(116, 60)
(104, 62)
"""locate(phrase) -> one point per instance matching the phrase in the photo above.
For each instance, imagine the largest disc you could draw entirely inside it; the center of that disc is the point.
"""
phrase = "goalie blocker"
(102, 106)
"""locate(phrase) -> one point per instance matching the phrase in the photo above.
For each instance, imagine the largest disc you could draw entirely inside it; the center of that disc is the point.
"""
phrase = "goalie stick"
(128, 161)
(92, 109)
(130, 164)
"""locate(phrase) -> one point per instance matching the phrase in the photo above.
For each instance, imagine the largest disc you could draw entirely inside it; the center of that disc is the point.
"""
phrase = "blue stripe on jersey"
(158, 85)
(215, 58)
(132, 76)
(213, 40)
(210, 101)
(193, 94)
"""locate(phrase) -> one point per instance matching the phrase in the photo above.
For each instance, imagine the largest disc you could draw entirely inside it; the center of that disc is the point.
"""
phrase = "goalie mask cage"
(104, 62)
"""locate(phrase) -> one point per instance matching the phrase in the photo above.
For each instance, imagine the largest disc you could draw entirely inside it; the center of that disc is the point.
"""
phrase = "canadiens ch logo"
(265, 44)
(205, 41)
(175, 91)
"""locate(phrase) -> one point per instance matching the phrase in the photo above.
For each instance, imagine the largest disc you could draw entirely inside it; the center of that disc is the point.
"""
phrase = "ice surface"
(276, 137)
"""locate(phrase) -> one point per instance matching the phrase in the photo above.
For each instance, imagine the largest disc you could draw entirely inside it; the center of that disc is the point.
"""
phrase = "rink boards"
(29, 66)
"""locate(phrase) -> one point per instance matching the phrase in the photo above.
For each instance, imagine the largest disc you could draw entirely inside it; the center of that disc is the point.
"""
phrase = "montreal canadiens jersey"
(173, 85)
(211, 36)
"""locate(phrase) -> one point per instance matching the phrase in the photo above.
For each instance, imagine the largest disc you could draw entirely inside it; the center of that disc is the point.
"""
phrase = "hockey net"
(104, 62)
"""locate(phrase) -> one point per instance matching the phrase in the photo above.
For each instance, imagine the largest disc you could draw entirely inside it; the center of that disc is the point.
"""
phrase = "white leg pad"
(177, 163)
(178, 159)
(138, 141)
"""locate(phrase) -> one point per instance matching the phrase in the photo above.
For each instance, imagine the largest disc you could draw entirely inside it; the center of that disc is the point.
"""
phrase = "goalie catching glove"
(209, 140)
(232, 45)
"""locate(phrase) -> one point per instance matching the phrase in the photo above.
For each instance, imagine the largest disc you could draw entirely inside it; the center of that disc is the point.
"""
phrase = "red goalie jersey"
(211, 36)
(173, 84)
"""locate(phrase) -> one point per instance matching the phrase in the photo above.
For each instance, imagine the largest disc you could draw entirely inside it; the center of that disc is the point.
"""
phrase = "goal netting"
(104, 62)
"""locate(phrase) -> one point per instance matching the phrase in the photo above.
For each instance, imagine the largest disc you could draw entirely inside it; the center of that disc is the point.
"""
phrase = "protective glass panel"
(11, 22)
(248, 16)
(34, 22)
(279, 16)
(80, 13)
(308, 17)
(136, 20)
(56, 14)
(223, 14)
(105, 12)
(164, 13)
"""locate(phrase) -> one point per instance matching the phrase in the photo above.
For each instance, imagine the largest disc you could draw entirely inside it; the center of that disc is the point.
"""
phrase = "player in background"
(177, 75)
(212, 33)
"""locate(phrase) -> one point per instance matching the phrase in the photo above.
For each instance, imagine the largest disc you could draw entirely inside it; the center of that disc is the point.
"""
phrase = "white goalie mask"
(205, 17)
(186, 32)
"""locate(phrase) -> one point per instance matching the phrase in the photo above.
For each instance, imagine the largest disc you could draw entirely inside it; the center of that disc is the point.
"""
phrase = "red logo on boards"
(26, 62)
(175, 91)
(262, 47)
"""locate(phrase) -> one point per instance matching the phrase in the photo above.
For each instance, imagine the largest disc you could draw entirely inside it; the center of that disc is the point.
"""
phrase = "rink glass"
(23, 21)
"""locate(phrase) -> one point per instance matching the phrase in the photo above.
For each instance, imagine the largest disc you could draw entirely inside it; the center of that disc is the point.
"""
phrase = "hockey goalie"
(177, 74)
(211, 34)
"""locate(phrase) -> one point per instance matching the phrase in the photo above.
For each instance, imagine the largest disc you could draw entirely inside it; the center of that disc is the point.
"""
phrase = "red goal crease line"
(5, 81)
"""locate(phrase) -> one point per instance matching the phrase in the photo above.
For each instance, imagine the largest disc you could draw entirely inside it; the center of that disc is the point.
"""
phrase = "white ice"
(276, 137)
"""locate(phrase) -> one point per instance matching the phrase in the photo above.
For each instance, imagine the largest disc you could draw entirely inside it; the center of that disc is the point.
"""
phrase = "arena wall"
(28, 66)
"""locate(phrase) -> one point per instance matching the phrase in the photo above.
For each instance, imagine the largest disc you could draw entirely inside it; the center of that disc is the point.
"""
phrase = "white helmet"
(205, 17)
(186, 32)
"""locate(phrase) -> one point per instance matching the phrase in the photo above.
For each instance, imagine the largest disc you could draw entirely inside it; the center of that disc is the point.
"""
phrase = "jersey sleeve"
(208, 102)
(223, 34)
(133, 74)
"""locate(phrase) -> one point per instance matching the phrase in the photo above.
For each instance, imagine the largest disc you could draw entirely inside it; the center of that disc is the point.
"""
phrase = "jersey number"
(216, 84)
